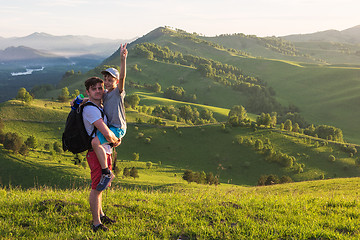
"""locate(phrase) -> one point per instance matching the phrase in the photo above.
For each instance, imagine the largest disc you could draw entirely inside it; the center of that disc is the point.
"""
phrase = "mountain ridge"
(349, 35)
(65, 45)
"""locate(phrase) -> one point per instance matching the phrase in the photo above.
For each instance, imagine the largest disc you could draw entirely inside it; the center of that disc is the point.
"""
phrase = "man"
(92, 116)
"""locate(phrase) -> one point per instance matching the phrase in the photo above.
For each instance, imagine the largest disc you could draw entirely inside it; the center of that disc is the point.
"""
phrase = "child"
(114, 110)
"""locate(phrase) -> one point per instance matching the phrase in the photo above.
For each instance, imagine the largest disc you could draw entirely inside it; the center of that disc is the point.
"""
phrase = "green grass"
(310, 210)
(199, 148)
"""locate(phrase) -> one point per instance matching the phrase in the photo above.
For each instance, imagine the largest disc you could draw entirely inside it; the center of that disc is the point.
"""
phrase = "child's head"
(111, 78)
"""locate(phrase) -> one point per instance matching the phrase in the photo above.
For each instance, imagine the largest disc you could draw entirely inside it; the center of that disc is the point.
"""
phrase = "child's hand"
(123, 51)
(117, 143)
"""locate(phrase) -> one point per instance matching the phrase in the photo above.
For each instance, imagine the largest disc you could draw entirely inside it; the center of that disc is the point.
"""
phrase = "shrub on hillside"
(126, 172)
(12, 141)
(134, 173)
(31, 142)
(272, 179)
(332, 158)
(135, 156)
(24, 150)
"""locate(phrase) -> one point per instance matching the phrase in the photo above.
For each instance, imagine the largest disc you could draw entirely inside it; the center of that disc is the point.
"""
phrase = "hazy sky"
(118, 19)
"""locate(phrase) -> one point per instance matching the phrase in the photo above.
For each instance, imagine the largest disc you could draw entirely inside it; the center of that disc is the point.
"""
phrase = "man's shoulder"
(91, 106)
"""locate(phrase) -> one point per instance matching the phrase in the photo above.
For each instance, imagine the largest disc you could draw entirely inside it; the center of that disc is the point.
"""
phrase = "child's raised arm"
(123, 56)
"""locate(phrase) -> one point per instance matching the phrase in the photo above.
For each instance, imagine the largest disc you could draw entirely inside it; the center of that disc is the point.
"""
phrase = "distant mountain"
(68, 45)
(350, 35)
(23, 53)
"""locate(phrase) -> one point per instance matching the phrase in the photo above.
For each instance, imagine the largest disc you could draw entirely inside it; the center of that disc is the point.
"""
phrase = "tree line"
(238, 117)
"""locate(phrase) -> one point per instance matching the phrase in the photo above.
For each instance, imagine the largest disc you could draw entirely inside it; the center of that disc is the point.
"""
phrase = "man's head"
(94, 88)
(111, 78)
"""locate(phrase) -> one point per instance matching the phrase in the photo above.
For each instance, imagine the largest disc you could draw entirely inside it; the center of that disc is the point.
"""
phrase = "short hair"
(92, 82)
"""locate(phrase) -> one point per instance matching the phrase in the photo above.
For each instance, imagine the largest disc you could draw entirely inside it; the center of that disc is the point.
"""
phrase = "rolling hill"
(324, 94)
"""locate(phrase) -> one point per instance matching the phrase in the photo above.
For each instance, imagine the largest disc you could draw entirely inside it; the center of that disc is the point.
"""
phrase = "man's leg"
(95, 200)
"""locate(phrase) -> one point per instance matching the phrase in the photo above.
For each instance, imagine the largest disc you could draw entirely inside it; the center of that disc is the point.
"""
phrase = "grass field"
(310, 210)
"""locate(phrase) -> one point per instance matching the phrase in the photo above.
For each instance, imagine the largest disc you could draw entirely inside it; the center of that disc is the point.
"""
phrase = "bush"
(31, 142)
(134, 173)
(285, 179)
(136, 156)
(149, 165)
(272, 179)
(13, 142)
(126, 172)
(332, 158)
(24, 150)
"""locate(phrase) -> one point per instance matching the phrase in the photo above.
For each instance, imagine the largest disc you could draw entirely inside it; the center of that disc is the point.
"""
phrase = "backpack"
(75, 137)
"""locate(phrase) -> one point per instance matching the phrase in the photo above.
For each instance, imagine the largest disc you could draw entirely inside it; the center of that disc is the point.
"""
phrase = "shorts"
(119, 133)
(95, 167)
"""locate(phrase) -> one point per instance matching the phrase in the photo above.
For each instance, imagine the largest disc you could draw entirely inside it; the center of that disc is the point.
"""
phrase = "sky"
(119, 19)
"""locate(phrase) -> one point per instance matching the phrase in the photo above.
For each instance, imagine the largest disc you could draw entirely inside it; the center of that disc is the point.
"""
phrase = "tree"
(24, 150)
(237, 115)
(31, 142)
(210, 179)
(47, 146)
(285, 179)
(136, 68)
(24, 95)
(188, 176)
(136, 156)
(12, 141)
(296, 127)
(65, 94)
(149, 165)
(157, 87)
(288, 125)
(21, 94)
(28, 98)
(133, 100)
(272, 179)
(259, 145)
(126, 172)
(134, 173)
(174, 92)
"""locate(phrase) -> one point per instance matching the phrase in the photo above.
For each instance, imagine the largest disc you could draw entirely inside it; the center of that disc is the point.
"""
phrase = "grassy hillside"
(309, 210)
(199, 148)
(324, 94)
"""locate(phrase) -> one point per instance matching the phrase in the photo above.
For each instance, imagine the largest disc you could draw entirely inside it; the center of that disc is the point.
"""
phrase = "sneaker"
(105, 219)
(105, 181)
(99, 227)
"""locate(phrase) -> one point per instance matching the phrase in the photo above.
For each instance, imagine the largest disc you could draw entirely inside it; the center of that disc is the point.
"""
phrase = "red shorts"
(95, 167)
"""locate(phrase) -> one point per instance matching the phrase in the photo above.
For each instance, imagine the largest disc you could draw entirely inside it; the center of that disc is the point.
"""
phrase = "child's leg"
(100, 152)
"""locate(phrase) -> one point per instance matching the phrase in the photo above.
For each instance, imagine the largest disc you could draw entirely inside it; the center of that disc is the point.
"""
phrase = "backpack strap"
(92, 104)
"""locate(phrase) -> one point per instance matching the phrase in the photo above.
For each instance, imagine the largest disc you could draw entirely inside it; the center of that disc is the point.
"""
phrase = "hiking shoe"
(105, 219)
(99, 227)
(105, 181)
